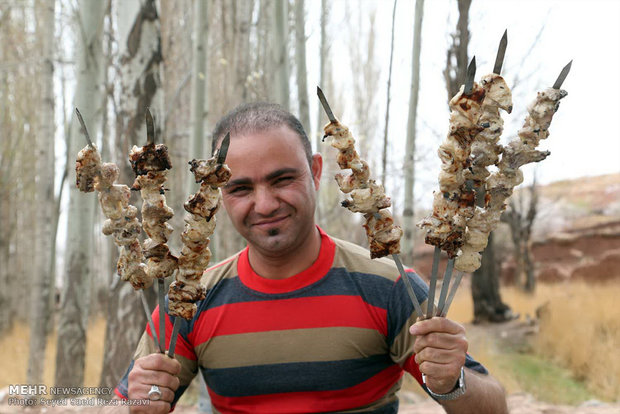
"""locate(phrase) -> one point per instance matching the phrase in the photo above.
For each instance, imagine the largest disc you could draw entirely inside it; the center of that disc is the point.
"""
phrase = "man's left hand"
(440, 347)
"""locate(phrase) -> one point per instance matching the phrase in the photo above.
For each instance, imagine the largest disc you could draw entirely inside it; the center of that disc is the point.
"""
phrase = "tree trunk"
(76, 284)
(300, 58)
(280, 53)
(321, 118)
(43, 243)
(388, 99)
(140, 58)
(521, 223)
(457, 61)
(198, 112)
(488, 306)
(410, 149)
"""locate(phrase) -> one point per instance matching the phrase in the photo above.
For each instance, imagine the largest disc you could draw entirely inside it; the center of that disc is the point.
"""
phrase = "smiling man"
(299, 321)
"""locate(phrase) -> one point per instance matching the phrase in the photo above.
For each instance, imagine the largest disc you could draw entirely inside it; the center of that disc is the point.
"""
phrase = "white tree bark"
(300, 61)
(44, 245)
(280, 53)
(323, 57)
(409, 161)
(76, 283)
(199, 86)
(388, 99)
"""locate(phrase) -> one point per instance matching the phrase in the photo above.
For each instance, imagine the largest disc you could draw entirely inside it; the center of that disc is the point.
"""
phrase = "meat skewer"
(150, 164)
(485, 149)
(517, 153)
(367, 197)
(121, 221)
(186, 290)
(454, 204)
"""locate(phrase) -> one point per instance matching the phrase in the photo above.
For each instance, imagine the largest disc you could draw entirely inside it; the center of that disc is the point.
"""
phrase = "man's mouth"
(269, 223)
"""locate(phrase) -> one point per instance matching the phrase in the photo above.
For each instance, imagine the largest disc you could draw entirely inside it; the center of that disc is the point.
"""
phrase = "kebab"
(501, 183)
(365, 196)
(186, 290)
(485, 149)
(150, 164)
(454, 203)
(121, 217)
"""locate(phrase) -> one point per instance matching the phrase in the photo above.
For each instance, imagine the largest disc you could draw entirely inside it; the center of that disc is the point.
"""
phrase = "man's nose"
(265, 201)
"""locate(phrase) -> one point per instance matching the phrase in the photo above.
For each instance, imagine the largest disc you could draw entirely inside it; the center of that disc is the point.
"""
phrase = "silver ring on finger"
(154, 393)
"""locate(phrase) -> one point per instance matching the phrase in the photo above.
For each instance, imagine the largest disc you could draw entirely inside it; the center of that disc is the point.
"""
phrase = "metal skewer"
(497, 68)
(84, 129)
(150, 128)
(560, 80)
(433, 283)
(457, 280)
(467, 90)
(455, 286)
(395, 256)
(175, 334)
(501, 52)
(161, 287)
(221, 154)
(445, 284)
(145, 305)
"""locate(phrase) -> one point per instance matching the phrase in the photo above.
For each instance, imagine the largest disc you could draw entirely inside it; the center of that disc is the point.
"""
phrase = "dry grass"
(580, 329)
(15, 366)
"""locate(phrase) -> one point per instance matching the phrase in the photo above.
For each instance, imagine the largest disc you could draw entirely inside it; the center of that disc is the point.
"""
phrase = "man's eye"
(238, 189)
(283, 180)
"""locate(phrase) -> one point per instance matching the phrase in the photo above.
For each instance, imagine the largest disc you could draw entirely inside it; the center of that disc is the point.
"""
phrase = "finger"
(160, 362)
(153, 407)
(440, 356)
(436, 324)
(441, 341)
(161, 379)
(167, 394)
(440, 372)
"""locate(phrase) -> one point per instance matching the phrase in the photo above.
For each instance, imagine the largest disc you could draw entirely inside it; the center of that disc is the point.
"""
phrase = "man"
(299, 321)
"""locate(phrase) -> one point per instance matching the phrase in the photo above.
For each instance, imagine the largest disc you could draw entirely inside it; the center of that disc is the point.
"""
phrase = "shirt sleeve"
(184, 353)
(401, 315)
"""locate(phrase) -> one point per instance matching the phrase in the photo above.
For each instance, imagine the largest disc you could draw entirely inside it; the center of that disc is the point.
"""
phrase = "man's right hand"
(154, 369)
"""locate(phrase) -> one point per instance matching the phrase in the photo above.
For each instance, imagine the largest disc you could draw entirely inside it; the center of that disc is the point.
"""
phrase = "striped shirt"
(333, 338)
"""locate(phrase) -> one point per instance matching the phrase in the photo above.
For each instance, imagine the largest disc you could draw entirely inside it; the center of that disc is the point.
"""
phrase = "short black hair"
(257, 117)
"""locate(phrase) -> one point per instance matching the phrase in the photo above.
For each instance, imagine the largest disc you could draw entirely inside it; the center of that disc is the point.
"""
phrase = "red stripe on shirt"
(282, 314)
(312, 401)
(412, 367)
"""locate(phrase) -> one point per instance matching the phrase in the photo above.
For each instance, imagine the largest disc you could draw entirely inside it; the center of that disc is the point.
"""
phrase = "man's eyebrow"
(238, 181)
(281, 171)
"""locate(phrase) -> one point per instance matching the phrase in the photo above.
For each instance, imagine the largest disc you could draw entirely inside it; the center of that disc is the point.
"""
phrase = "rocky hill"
(576, 233)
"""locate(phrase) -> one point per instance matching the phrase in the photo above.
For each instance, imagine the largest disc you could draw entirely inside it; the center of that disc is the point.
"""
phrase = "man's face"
(271, 195)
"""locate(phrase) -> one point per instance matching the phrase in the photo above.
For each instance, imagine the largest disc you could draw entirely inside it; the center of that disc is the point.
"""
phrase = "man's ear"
(317, 169)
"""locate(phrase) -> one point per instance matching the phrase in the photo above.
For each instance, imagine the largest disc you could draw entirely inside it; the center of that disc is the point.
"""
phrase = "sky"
(543, 36)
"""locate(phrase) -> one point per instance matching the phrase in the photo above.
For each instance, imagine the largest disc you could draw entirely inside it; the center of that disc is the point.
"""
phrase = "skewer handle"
(445, 285)
(433, 284)
(173, 338)
(161, 297)
(453, 288)
(407, 283)
(148, 317)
